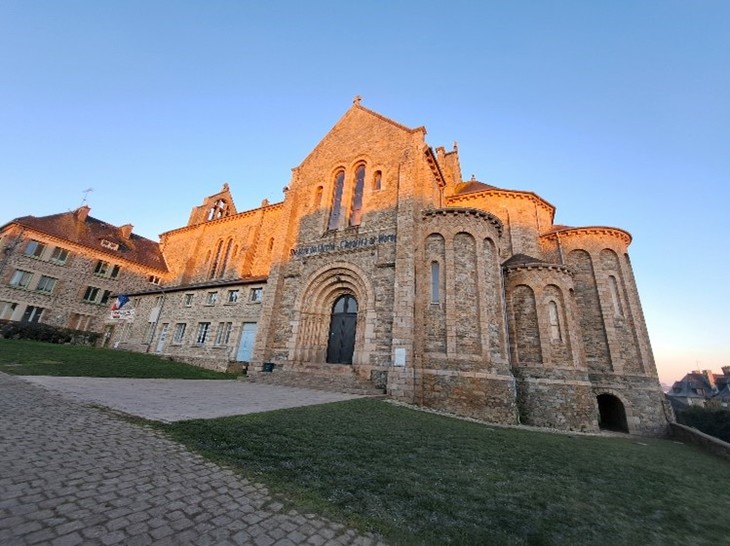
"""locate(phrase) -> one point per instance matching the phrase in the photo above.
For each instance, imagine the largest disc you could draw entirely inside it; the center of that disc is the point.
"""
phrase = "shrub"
(715, 422)
(43, 332)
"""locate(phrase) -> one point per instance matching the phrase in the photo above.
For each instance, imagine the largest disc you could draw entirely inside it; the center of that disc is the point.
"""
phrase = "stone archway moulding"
(313, 308)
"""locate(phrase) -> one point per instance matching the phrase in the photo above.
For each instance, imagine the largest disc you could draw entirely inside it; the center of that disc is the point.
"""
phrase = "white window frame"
(256, 295)
(35, 249)
(21, 278)
(43, 283)
(93, 291)
(59, 256)
(179, 334)
(101, 268)
(202, 334)
(223, 334)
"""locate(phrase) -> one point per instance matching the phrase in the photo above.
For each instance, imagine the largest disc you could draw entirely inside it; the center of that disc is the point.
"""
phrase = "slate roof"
(692, 385)
(523, 259)
(557, 227)
(472, 186)
(89, 233)
(215, 283)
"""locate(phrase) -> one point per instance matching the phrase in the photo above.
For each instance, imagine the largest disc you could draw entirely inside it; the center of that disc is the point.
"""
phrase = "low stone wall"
(200, 362)
(480, 396)
(705, 441)
(558, 398)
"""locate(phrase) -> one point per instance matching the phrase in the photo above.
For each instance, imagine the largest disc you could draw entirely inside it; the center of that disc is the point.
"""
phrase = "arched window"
(356, 211)
(435, 282)
(554, 321)
(227, 255)
(317, 197)
(216, 261)
(613, 286)
(334, 222)
(218, 210)
(378, 181)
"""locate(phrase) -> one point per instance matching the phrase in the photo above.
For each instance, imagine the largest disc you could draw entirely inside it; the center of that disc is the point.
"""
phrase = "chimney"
(126, 230)
(82, 212)
(710, 377)
(726, 370)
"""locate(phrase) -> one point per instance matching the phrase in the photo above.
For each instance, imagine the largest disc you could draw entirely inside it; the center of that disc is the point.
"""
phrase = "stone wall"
(559, 398)
(161, 315)
(693, 436)
(471, 394)
(647, 410)
(65, 305)
(472, 303)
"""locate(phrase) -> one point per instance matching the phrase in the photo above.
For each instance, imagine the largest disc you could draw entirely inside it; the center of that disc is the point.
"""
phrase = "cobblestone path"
(71, 474)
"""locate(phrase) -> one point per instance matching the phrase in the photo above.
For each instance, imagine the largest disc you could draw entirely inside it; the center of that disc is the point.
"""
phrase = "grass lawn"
(420, 478)
(38, 358)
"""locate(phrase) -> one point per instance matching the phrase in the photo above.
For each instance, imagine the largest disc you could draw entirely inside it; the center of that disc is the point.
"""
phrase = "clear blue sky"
(616, 112)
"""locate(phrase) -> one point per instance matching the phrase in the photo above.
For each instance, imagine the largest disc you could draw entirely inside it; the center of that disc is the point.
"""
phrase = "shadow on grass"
(37, 358)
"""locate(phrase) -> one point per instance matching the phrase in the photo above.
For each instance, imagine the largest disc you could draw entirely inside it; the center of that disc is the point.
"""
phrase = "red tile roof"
(90, 232)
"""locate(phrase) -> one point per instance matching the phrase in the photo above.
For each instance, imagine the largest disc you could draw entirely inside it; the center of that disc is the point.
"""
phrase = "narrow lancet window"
(227, 255)
(435, 282)
(356, 212)
(613, 286)
(337, 200)
(216, 260)
(378, 181)
(554, 322)
(317, 198)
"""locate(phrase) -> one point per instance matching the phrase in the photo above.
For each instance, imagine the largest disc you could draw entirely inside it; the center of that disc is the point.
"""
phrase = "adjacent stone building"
(65, 269)
(701, 388)
(382, 265)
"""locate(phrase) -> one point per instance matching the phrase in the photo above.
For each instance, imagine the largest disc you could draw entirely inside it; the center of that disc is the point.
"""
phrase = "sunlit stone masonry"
(383, 267)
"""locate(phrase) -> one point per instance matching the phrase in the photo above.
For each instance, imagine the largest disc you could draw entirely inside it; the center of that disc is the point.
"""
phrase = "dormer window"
(106, 243)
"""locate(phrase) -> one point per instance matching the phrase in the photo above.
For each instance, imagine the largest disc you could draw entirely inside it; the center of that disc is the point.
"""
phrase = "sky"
(617, 113)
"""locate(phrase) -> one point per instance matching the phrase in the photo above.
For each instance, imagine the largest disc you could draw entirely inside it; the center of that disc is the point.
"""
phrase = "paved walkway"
(170, 400)
(71, 474)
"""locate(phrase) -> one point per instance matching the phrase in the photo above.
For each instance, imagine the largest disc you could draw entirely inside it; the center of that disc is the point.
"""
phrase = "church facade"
(383, 265)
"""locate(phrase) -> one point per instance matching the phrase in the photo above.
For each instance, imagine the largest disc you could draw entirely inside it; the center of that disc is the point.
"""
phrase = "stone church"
(383, 266)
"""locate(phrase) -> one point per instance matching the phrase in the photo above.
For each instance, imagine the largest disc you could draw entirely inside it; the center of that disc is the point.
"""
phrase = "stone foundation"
(560, 403)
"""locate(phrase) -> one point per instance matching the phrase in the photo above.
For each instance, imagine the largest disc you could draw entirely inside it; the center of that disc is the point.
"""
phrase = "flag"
(119, 302)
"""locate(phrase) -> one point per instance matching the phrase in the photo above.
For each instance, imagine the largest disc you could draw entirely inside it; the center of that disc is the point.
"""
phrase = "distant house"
(701, 388)
(65, 269)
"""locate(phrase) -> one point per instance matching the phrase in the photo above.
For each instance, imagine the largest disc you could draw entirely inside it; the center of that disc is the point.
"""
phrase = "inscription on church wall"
(347, 244)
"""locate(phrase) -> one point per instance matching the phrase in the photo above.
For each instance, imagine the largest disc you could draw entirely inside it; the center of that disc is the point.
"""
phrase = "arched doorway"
(343, 324)
(612, 413)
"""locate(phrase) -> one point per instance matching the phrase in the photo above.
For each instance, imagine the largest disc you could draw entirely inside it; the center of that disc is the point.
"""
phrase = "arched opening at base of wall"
(612, 413)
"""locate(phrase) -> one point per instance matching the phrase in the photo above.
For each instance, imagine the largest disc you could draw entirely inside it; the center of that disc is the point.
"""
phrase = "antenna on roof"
(86, 194)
